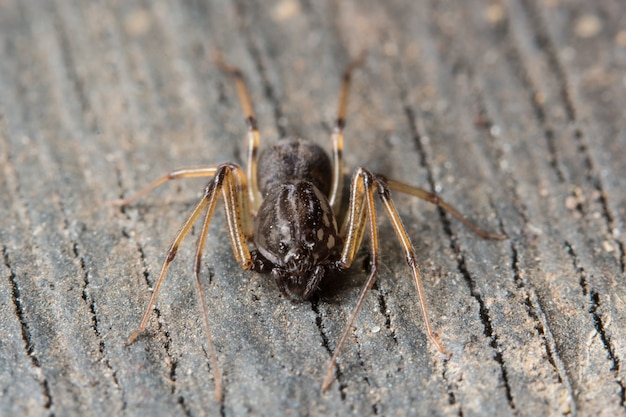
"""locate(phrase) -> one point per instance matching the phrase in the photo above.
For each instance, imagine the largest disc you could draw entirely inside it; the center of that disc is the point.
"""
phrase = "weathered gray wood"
(512, 110)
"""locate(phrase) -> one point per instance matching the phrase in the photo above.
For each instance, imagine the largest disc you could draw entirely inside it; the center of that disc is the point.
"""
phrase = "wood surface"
(512, 110)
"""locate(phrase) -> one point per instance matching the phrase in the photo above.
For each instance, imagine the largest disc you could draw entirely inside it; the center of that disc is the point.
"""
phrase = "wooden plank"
(511, 110)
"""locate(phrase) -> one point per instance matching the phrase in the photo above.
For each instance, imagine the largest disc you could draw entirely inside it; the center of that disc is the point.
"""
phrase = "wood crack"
(460, 259)
(604, 333)
(384, 311)
(519, 70)
(534, 308)
(25, 331)
(173, 365)
(325, 343)
(545, 44)
(451, 388)
(484, 314)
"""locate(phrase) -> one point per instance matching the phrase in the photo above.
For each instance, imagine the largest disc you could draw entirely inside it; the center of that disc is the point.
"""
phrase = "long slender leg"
(253, 131)
(229, 180)
(434, 198)
(361, 190)
(362, 214)
(361, 209)
(409, 253)
(174, 175)
(171, 254)
(337, 135)
(201, 298)
(233, 187)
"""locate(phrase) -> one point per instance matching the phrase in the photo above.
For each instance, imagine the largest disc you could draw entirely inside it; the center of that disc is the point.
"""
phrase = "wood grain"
(512, 110)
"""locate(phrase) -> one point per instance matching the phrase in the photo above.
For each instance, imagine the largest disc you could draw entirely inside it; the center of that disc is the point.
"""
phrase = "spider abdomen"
(292, 159)
(296, 231)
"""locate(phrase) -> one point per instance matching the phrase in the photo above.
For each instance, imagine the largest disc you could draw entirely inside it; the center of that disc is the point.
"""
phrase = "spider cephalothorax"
(281, 211)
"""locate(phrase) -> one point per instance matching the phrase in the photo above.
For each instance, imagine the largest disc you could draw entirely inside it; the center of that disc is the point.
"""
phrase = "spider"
(281, 216)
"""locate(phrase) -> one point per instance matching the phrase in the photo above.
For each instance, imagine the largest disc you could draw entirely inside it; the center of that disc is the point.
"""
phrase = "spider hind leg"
(362, 215)
(230, 182)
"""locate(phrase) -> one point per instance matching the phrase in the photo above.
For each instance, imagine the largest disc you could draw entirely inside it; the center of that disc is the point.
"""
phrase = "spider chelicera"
(281, 216)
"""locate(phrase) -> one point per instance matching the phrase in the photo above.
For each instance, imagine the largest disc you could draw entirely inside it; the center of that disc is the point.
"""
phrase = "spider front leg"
(230, 182)
(362, 214)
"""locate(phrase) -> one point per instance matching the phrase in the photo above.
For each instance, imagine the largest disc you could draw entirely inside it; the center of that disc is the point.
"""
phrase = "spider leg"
(361, 213)
(337, 135)
(434, 198)
(171, 254)
(251, 123)
(174, 175)
(238, 219)
(202, 299)
(353, 227)
(229, 180)
(409, 253)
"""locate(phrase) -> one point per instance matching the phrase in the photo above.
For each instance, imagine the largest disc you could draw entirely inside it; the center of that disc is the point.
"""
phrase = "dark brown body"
(295, 229)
